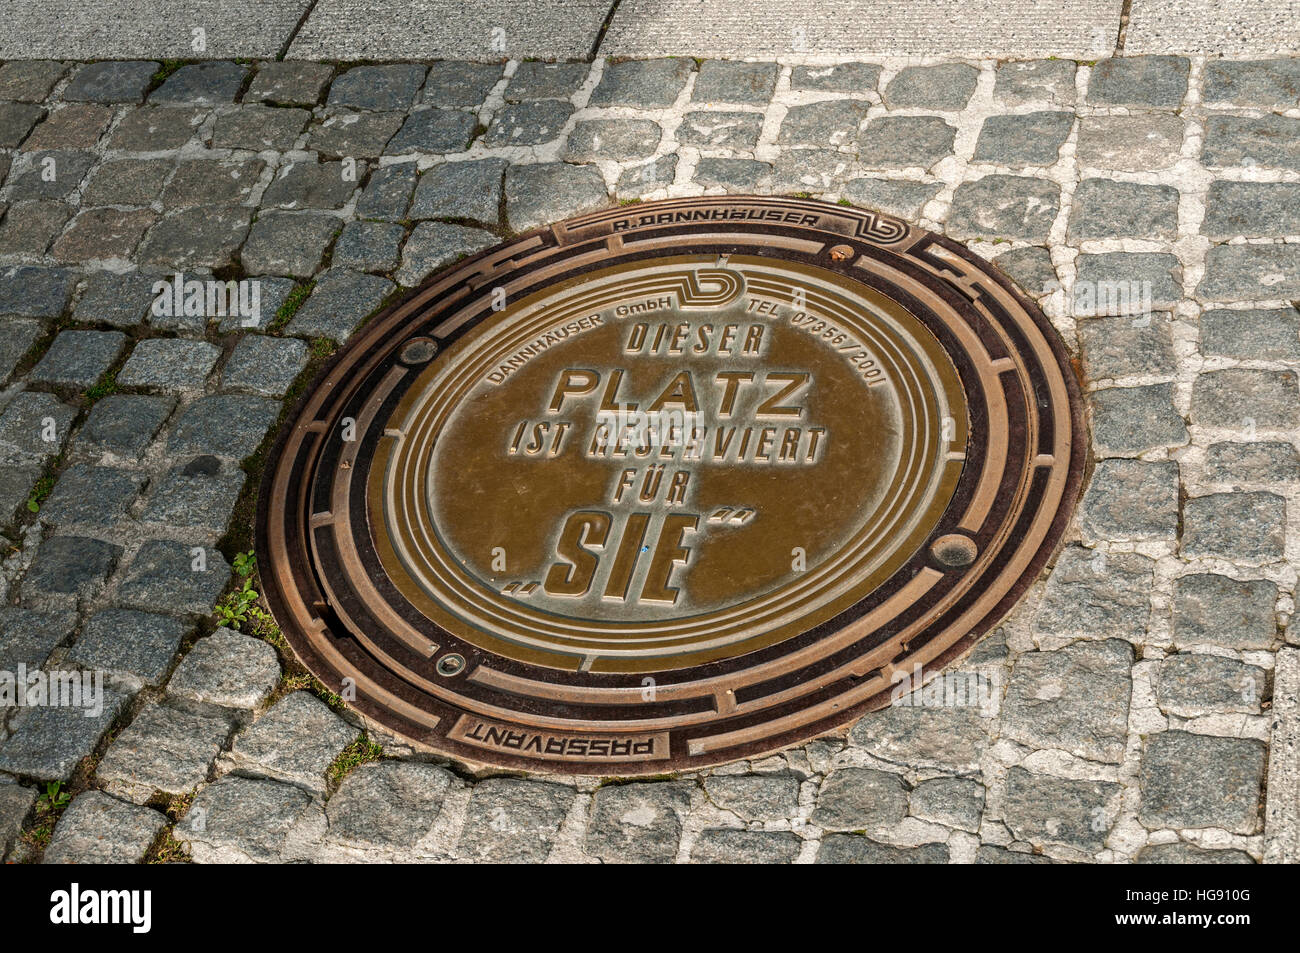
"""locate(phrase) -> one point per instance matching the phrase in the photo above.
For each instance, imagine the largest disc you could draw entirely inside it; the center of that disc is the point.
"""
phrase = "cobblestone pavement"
(1130, 699)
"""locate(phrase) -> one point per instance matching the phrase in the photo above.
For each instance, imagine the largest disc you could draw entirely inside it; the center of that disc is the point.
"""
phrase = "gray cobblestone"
(265, 366)
(946, 86)
(288, 243)
(226, 670)
(759, 797)
(124, 424)
(536, 80)
(1045, 809)
(1132, 500)
(1004, 206)
(461, 190)
(1251, 273)
(111, 82)
(68, 570)
(196, 238)
(289, 83)
(295, 742)
(720, 130)
(837, 78)
(378, 87)
(1122, 347)
(169, 364)
(1251, 209)
(1191, 685)
(126, 642)
(950, 738)
(1267, 84)
(551, 191)
(637, 823)
(733, 175)
(390, 804)
(1238, 396)
(209, 83)
(29, 81)
(436, 130)
(1135, 419)
(528, 124)
(163, 750)
(349, 134)
(513, 821)
(98, 829)
(1152, 81)
(28, 637)
(79, 358)
(452, 83)
(1181, 853)
(1129, 143)
(156, 128)
(955, 802)
(91, 496)
(1236, 525)
(223, 425)
(1212, 609)
(15, 803)
(1090, 593)
(726, 846)
(1262, 462)
(1107, 209)
(645, 83)
(1270, 141)
(432, 245)
(905, 142)
(730, 81)
(644, 179)
(1030, 267)
(300, 185)
(30, 291)
(163, 576)
(339, 303)
(1103, 278)
(1035, 81)
(198, 495)
(259, 128)
(127, 182)
(1196, 781)
(612, 139)
(856, 849)
(1024, 139)
(1252, 334)
(388, 193)
(48, 742)
(29, 227)
(241, 820)
(368, 246)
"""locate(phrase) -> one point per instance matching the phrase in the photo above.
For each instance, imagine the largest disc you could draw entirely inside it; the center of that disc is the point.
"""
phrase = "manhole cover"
(669, 485)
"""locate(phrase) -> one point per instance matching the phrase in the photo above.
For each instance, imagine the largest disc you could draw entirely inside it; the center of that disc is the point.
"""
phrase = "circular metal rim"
(392, 705)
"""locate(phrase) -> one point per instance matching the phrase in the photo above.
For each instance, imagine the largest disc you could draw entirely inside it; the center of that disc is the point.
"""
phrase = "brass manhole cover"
(669, 485)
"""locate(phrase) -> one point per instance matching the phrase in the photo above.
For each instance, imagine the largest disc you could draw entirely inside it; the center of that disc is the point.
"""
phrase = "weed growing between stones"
(353, 756)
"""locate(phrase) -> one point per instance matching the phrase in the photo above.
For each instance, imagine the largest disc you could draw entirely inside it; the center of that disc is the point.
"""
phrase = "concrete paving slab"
(1227, 27)
(723, 28)
(133, 29)
(450, 29)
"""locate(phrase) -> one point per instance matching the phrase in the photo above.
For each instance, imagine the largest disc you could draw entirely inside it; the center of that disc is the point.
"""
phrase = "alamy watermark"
(57, 689)
(208, 298)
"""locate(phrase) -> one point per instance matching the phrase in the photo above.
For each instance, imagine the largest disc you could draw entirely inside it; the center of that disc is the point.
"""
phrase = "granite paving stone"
(226, 670)
(431, 245)
(29, 81)
(638, 822)
(906, 142)
(204, 237)
(368, 246)
(1075, 699)
(241, 820)
(265, 366)
(953, 802)
(1045, 809)
(642, 180)
(123, 425)
(289, 83)
(353, 134)
(164, 749)
(551, 191)
(259, 128)
(1198, 781)
(378, 87)
(127, 182)
(1035, 81)
(831, 123)
(388, 804)
(733, 175)
(1091, 593)
(16, 484)
(732, 81)
(111, 82)
(1192, 685)
(460, 190)
(198, 495)
(618, 139)
(388, 192)
(129, 643)
(68, 570)
(1128, 283)
(1251, 209)
(47, 742)
(91, 496)
(527, 124)
(29, 228)
(719, 130)
(1129, 143)
(16, 121)
(27, 637)
(19, 334)
(229, 181)
(102, 234)
(755, 797)
(156, 129)
(950, 738)
(1213, 609)
(538, 80)
(1131, 420)
(1251, 273)
(1117, 347)
(857, 849)
(1004, 206)
(1265, 84)
(169, 364)
(836, 78)
(1270, 141)
(645, 83)
(50, 174)
(1030, 267)
(513, 821)
(98, 829)
(449, 130)
(228, 425)
(1023, 139)
(1246, 398)
(990, 854)
(71, 127)
(1142, 81)
(727, 846)
(1251, 334)
(339, 303)
(853, 799)
(947, 86)
(1104, 208)
(288, 243)
(295, 741)
(174, 577)
(452, 83)
(1248, 526)
(904, 199)
(1264, 461)
(34, 427)
(1181, 853)
(15, 804)
(209, 83)
(1131, 500)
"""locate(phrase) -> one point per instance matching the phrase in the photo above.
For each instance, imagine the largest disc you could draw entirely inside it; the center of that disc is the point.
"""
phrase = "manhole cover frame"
(840, 239)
